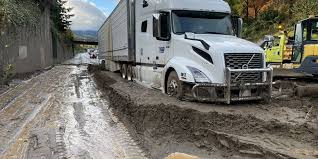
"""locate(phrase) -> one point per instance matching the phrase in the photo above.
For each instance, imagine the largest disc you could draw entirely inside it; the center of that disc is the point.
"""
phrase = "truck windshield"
(201, 22)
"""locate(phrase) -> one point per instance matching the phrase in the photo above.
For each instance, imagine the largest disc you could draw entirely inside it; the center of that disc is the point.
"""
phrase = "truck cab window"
(144, 26)
(161, 26)
(202, 22)
(276, 41)
(314, 31)
(310, 30)
(164, 25)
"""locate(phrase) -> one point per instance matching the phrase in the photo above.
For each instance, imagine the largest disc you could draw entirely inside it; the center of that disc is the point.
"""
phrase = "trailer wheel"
(129, 73)
(174, 86)
(123, 71)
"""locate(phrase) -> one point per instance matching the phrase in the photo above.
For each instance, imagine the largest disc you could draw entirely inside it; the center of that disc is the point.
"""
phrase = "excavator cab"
(305, 48)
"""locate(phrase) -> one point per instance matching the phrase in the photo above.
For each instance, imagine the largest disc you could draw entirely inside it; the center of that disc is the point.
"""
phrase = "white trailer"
(185, 48)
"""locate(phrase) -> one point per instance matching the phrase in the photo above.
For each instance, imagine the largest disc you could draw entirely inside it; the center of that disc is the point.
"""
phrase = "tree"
(257, 5)
(60, 16)
(235, 6)
(303, 9)
(18, 13)
(245, 8)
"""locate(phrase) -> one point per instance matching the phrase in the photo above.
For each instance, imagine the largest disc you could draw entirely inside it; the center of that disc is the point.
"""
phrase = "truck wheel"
(123, 71)
(174, 86)
(129, 73)
(103, 65)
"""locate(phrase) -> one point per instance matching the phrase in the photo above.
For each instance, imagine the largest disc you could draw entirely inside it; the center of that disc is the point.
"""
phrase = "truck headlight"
(198, 75)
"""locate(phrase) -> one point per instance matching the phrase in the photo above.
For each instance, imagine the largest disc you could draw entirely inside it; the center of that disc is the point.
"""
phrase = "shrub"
(6, 74)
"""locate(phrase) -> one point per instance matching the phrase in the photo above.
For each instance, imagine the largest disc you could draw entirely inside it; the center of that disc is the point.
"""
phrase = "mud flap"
(309, 65)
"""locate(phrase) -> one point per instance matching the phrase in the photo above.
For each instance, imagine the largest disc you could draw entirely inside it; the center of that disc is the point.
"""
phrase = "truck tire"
(174, 86)
(123, 71)
(129, 73)
(103, 65)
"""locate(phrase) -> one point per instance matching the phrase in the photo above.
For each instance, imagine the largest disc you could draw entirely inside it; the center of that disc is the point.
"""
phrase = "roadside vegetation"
(16, 15)
(263, 17)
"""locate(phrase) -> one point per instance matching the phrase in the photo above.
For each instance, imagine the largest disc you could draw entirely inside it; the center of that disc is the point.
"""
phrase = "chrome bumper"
(228, 87)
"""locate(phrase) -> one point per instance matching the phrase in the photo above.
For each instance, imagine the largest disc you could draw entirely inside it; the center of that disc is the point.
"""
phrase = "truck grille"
(244, 61)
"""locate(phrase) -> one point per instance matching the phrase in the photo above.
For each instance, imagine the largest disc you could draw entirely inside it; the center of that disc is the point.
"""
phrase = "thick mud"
(60, 114)
(286, 128)
(67, 112)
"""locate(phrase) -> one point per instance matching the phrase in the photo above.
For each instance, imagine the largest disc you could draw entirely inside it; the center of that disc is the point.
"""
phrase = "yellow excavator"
(298, 53)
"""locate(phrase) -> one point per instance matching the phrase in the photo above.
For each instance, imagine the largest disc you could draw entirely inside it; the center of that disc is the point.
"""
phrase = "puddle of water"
(90, 129)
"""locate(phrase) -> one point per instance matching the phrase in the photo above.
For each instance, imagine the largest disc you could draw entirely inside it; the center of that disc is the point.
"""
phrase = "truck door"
(298, 43)
(275, 50)
(144, 41)
(162, 35)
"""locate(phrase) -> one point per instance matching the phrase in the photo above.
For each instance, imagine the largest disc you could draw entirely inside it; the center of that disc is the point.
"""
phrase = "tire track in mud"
(90, 131)
(69, 119)
(234, 135)
(25, 103)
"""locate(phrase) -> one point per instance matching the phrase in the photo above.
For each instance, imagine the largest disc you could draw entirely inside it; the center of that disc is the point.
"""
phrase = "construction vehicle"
(299, 53)
(185, 47)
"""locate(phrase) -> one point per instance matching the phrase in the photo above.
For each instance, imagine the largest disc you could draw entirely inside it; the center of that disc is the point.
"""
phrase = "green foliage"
(275, 12)
(17, 13)
(6, 74)
(60, 16)
(266, 23)
(235, 6)
(304, 8)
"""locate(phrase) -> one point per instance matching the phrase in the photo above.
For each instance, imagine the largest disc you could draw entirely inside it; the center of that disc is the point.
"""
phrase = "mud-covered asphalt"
(61, 114)
(285, 128)
(68, 112)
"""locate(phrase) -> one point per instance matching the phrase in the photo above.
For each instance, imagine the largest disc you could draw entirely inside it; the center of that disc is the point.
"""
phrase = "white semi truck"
(185, 48)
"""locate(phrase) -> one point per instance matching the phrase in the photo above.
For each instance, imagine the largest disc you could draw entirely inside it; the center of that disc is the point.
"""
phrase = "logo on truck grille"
(245, 66)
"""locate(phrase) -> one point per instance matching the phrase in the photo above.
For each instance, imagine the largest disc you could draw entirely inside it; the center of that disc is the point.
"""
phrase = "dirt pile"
(162, 127)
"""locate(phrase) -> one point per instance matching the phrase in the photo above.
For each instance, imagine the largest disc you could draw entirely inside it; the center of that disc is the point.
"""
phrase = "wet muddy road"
(67, 112)
(285, 128)
(61, 114)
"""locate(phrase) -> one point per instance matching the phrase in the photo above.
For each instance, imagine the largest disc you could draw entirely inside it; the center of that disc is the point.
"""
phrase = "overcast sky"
(90, 14)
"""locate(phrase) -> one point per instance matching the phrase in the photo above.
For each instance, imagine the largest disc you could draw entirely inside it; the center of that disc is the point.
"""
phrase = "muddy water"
(91, 130)
(61, 114)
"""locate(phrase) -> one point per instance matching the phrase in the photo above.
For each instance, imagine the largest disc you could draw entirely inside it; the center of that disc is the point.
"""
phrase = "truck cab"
(186, 48)
(278, 49)
(183, 46)
(300, 52)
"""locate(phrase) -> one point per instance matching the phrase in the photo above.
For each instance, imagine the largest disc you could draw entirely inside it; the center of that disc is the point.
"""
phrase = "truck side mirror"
(161, 26)
(237, 23)
(264, 45)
